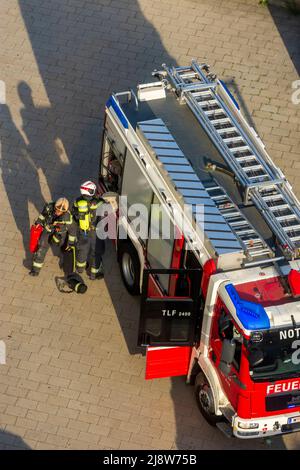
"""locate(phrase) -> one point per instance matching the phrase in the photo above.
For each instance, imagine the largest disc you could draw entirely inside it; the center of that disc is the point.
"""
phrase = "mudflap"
(69, 261)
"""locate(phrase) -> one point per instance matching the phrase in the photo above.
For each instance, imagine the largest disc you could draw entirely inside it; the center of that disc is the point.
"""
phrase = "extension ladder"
(263, 183)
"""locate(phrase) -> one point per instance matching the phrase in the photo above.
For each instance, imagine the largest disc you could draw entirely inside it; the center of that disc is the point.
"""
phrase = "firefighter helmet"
(62, 204)
(88, 188)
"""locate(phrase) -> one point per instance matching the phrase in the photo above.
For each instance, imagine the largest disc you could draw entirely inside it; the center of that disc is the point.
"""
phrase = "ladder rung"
(280, 208)
(241, 222)
(228, 140)
(256, 253)
(190, 74)
(231, 214)
(225, 120)
(208, 102)
(226, 130)
(291, 228)
(224, 206)
(252, 168)
(263, 175)
(218, 197)
(212, 188)
(247, 158)
(286, 217)
(242, 232)
(279, 204)
(252, 242)
(202, 93)
(239, 149)
(214, 111)
(273, 197)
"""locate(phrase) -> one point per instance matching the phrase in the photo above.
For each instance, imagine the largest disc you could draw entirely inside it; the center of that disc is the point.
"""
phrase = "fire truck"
(219, 296)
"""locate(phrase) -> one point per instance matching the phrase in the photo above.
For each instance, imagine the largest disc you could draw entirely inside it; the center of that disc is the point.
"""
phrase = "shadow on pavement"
(9, 441)
(287, 24)
(83, 54)
(238, 96)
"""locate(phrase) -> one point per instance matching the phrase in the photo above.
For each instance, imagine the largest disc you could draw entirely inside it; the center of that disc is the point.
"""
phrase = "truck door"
(224, 328)
(169, 325)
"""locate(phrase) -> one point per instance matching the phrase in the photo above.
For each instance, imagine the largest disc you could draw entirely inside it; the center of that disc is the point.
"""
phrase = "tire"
(205, 400)
(130, 268)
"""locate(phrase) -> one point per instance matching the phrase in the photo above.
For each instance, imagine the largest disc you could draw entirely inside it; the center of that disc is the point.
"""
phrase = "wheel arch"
(214, 390)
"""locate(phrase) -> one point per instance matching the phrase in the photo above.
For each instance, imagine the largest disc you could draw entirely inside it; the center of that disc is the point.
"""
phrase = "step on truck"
(220, 295)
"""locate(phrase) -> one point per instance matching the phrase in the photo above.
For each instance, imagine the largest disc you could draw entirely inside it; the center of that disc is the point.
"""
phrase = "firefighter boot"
(96, 273)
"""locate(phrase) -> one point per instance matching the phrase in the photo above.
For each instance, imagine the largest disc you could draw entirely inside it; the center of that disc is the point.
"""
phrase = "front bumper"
(268, 426)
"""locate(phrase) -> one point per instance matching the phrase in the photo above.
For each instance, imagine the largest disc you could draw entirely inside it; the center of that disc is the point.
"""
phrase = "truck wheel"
(205, 400)
(130, 268)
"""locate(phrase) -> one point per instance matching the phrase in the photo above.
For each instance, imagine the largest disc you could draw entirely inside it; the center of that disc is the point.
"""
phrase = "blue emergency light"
(252, 316)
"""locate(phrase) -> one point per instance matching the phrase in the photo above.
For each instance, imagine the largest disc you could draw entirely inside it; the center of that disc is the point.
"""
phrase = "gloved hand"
(48, 228)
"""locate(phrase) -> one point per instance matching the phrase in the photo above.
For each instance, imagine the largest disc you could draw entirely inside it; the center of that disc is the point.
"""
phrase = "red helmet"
(88, 188)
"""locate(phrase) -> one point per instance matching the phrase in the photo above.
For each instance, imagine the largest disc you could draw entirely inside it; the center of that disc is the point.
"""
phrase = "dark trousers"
(89, 249)
(43, 247)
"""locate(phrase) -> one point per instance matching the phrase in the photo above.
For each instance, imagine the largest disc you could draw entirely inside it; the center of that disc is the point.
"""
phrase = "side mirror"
(256, 357)
(227, 355)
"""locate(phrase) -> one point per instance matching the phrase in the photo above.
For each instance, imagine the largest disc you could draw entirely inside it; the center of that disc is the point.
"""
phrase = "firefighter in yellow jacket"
(90, 247)
(58, 228)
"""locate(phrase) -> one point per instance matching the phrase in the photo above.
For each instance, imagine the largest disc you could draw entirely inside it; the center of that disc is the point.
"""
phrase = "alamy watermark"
(296, 93)
(2, 92)
(2, 353)
(296, 353)
(154, 222)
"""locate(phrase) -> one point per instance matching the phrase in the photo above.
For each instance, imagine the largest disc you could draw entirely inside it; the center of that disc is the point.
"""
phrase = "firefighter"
(90, 247)
(58, 228)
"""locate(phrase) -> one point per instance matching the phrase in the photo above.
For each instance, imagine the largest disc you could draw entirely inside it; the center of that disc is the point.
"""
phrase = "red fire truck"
(219, 296)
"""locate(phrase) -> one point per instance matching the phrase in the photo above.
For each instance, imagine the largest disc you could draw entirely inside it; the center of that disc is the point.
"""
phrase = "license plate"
(295, 419)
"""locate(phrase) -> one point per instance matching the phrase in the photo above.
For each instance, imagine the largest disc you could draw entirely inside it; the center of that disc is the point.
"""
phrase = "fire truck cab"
(219, 293)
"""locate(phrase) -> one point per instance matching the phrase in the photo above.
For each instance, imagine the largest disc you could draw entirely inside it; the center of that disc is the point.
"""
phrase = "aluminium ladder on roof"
(262, 181)
(255, 246)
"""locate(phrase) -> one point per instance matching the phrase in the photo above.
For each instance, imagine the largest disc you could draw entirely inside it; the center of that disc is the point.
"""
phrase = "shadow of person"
(20, 177)
(10, 441)
(238, 96)
(42, 139)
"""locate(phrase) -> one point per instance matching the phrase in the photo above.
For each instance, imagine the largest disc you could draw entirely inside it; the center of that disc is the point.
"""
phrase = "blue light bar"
(111, 102)
(253, 316)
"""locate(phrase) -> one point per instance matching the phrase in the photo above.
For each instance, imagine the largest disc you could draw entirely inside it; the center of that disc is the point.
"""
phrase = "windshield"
(274, 354)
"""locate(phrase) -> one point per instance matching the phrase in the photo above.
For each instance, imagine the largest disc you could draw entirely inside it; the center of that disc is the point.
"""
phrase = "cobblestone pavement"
(74, 378)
